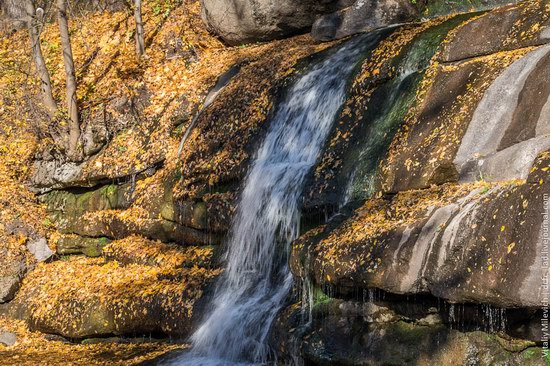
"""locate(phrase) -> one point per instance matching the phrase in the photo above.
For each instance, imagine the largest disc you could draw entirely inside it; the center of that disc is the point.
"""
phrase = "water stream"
(257, 278)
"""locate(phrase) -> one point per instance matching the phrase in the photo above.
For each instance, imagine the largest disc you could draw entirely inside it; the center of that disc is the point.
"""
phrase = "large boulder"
(362, 16)
(463, 243)
(140, 287)
(470, 110)
(237, 21)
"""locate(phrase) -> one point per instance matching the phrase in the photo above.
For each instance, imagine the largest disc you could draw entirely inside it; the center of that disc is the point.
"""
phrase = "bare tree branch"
(34, 17)
(140, 42)
(72, 105)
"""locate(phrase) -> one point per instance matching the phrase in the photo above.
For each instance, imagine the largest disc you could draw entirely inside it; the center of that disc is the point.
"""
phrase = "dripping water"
(257, 278)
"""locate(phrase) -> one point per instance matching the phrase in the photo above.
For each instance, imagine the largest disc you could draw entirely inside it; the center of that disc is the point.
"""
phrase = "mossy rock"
(90, 247)
(351, 342)
(110, 197)
(90, 297)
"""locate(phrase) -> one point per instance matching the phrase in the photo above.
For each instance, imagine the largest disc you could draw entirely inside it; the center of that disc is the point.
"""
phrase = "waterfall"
(257, 278)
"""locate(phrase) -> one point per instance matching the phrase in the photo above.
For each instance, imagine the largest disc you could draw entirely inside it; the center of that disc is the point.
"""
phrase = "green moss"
(529, 353)
(178, 131)
(382, 131)
(533, 355)
(92, 252)
(104, 241)
(90, 247)
(112, 194)
(387, 108)
(83, 201)
(412, 334)
(47, 222)
(110, 189)
(435, 8)
(76, 204)
(320, 298)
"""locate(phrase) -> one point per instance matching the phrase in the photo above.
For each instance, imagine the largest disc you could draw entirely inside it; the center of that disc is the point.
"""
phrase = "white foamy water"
(257, 278)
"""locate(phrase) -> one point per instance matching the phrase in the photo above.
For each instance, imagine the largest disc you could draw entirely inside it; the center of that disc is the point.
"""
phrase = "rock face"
(446, 248)
(501, 141)
(73, 244)
(39, 249)
(459, 95)
(436, 107)
(373, 333)
(96, 214)
(435, 8)
(177, 213)
(447, 197)
(362, 16)
(248, 21)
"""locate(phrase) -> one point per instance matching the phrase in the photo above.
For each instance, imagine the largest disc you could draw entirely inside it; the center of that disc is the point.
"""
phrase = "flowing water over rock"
(257, 278)
(387, 109)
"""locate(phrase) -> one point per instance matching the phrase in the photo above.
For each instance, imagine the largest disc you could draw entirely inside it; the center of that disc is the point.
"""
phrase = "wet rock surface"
(421, 330)
(382, 96)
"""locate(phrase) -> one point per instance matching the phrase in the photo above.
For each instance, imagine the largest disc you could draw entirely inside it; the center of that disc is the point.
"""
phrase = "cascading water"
(257, 279)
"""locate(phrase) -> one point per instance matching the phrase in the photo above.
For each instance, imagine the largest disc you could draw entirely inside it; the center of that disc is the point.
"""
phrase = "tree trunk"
(140, 42)
(42, 71)
(72, 106)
